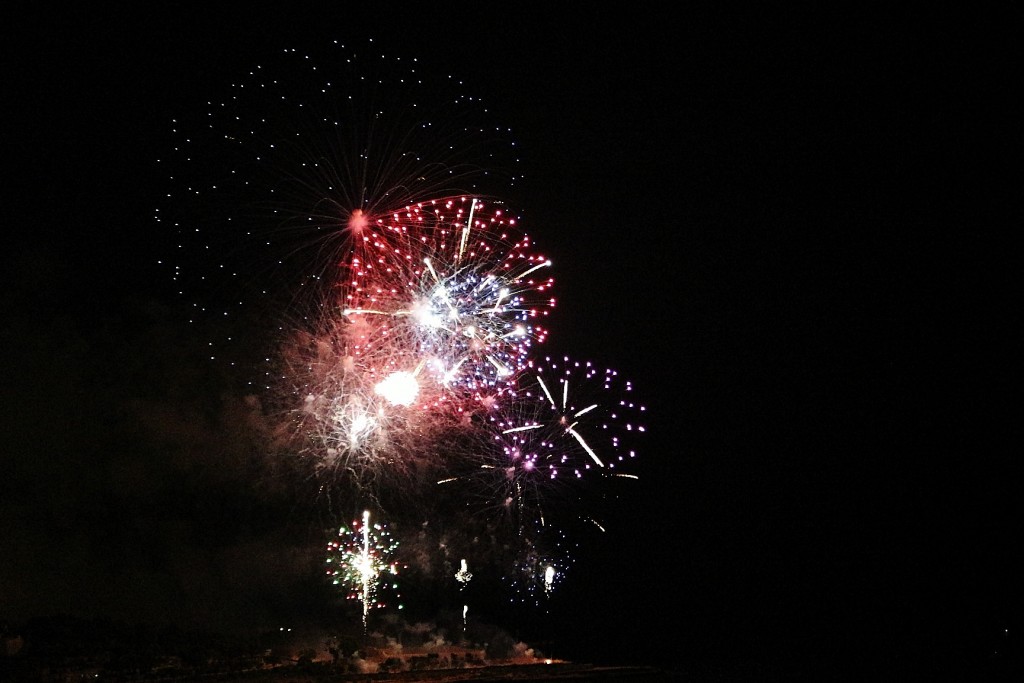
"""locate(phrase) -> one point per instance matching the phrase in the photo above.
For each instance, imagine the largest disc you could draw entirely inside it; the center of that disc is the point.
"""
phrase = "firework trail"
(463, 576)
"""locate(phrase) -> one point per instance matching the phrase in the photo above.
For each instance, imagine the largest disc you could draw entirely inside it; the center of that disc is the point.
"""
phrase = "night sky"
(792, 232)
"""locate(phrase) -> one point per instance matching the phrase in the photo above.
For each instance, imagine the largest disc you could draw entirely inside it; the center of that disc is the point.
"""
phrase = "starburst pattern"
(358, 559)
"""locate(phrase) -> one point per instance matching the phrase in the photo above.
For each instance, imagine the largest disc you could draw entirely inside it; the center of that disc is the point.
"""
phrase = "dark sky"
(791, 231)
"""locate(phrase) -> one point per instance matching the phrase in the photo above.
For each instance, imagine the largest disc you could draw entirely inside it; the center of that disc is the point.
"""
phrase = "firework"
(436, 314)
(562, 425)
(451, 282)
(344, 236)
(589, 412)
(325, 206)
(358, 559)
(269, 187)
(542, 563)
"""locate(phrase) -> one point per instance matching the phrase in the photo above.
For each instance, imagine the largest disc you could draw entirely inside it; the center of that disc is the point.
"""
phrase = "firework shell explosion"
(346, 248)
(541, 564)
(357, 560)
(562, 425)
(438, 309)
(271, 187)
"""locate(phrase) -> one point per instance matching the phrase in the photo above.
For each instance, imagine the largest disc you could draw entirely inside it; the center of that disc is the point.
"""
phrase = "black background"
(793, 231)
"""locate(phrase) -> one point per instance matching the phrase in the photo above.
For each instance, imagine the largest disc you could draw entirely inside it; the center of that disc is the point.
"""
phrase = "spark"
(463, 575)
(549, 578)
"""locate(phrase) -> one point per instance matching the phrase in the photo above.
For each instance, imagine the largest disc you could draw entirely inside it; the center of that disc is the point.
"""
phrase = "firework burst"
(270, 187)
(437, 312)
(359, 558)
(562, 425)
(540, 566)
(451, 281)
